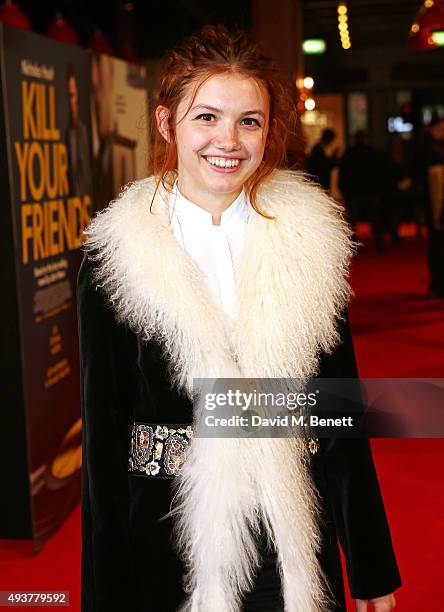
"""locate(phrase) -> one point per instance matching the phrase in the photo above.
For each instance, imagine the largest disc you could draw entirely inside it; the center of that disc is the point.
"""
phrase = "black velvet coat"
(128, 558)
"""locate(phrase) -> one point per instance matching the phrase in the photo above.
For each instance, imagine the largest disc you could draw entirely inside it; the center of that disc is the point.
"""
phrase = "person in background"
(433, 159)
(322, 160)
(361, 184)
(398, 202)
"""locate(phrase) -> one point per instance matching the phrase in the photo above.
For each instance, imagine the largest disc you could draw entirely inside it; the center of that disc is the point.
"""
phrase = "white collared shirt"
(216, 249)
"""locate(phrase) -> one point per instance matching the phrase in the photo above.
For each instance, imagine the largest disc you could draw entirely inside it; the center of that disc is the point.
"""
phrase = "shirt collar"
(238, 211)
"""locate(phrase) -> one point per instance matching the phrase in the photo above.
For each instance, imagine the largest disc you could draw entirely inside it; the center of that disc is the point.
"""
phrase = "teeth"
(222, 162)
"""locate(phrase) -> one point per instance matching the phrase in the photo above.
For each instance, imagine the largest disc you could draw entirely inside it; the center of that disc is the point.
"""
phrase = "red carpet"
(399, 332)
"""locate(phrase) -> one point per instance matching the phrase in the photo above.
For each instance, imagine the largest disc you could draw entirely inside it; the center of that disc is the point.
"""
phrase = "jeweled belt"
(159, 450)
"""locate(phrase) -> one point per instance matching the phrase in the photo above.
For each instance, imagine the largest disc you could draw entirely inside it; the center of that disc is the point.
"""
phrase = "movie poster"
(119, 109)
(46, 109)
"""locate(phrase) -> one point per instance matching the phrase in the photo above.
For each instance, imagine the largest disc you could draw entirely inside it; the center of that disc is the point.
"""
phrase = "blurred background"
(367, 78)
(371, 68)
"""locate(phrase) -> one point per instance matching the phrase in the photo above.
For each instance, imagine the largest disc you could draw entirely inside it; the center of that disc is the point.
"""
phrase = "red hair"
(215, 50)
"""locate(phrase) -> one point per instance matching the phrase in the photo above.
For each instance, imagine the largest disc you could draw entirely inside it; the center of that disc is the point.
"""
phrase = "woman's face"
(222, 137)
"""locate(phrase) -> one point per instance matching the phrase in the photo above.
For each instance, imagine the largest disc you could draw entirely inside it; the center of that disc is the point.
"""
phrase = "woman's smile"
(223, 164)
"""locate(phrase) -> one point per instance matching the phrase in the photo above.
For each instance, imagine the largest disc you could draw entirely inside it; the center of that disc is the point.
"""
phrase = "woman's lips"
(222, 170)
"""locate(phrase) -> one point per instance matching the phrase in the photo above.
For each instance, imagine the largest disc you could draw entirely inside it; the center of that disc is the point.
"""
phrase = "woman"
(219, 265)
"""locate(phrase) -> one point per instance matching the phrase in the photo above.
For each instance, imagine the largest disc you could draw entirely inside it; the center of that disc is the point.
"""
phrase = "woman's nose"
(227, 139)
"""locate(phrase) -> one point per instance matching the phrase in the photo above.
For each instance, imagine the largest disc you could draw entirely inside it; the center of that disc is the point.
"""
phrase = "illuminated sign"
(438, 37)
(314, 46)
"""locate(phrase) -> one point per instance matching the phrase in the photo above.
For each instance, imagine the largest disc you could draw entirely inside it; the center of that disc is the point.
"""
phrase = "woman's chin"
(225, 183)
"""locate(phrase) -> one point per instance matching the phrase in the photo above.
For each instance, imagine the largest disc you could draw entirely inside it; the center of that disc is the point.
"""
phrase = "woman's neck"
(215, 204)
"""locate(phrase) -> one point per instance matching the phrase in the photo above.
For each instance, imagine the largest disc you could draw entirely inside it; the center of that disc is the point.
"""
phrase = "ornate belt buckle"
(159, 450)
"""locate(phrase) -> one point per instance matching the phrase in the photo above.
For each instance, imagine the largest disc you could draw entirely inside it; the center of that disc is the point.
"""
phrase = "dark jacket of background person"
(319, 162)
(361, 181)
(360, 170)
(398, 188)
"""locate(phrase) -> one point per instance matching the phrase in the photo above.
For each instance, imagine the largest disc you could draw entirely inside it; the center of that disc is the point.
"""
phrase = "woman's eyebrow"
(254, 112)
(218, 110)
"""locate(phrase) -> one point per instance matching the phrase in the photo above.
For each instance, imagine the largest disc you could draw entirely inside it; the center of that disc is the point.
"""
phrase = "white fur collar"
(291, 284)
(291, 288)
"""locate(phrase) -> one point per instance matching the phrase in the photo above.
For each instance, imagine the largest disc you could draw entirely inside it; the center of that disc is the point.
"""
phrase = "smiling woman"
(219, 265)
(218, 147)
(235, 92)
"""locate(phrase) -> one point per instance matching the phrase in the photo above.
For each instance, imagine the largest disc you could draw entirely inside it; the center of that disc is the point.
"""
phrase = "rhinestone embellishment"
(313, 446)
(175, 454)
(159, 450)
(142, 442)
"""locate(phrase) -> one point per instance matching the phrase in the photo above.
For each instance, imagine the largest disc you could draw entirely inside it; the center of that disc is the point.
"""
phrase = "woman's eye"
(206, 117)
(250, 121)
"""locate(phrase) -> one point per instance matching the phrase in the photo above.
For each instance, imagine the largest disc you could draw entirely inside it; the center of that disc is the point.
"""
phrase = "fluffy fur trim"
(291, 288)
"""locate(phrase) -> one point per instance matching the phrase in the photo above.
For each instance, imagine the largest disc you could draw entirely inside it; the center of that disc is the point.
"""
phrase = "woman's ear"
(163, 122)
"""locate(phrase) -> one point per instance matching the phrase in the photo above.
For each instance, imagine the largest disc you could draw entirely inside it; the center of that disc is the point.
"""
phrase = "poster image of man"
(79, 176)
(119, 141)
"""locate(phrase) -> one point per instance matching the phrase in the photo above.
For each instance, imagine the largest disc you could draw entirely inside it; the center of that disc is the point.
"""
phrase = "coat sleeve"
(355, 496)
(106, 412)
